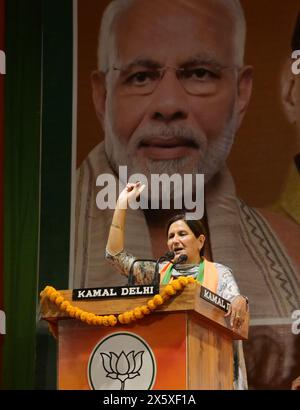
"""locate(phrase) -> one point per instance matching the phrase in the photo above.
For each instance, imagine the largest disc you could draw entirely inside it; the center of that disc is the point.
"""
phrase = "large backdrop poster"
(258, 245)
(261, 161)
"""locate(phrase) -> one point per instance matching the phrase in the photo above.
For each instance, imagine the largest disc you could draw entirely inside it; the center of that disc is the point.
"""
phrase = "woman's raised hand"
(115, 242)
(130, 193)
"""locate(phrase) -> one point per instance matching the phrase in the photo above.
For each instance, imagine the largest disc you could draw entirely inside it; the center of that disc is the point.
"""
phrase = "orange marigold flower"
(94, 320)
(59, 300)
(88, 321)
(48, 289)
(105, 320)
(151, 304)
(157, 300)
(131, 315)
(183, 280)
(165, 297)
(89, 318)
(112, 320)
(64, 306)
(99, 320)
(54, 295)
(121, 318)
(71, 311)
(176, 284)
(83, 316)
(145, 310)
(78, 313)
(170, 290)
(138, 313)
(127, 317)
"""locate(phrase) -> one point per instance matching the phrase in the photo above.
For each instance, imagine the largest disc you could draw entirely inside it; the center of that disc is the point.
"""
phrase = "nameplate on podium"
(114, 292)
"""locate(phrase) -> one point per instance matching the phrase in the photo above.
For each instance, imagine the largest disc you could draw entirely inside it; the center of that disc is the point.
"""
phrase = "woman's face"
(182, 241)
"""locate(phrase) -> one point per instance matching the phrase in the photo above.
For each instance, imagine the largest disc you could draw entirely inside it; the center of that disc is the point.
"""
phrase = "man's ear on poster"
(288, 91)
(99, 93)
(245, 81)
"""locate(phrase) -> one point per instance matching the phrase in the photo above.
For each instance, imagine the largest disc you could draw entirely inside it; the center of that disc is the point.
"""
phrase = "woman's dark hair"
(195, 225)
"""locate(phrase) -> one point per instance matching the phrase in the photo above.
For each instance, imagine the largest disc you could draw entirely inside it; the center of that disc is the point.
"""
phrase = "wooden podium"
(184, 344)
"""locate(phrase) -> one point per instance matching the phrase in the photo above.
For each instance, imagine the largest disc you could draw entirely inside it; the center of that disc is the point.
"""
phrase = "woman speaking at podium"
(185, 240)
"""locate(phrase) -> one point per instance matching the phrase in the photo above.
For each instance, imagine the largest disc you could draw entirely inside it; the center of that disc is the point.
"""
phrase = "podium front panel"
(148, 354)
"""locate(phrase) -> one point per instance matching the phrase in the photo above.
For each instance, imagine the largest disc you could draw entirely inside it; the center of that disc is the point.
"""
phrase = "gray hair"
(106, 46)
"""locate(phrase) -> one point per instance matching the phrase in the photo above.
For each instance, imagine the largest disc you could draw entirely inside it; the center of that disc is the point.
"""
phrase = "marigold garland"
(124, 318)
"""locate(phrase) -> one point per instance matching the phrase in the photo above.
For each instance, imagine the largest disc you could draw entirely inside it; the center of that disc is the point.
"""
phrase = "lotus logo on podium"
(122, 361)
(122, 367)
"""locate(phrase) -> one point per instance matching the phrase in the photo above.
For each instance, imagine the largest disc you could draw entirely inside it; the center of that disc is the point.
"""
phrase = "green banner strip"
(2, 76)
(57, 143)
(21, 189)
(55, 168)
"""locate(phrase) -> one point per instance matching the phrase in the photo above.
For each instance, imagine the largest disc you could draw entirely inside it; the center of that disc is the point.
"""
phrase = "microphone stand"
(182, 258)
(156, 278)
(167, 257)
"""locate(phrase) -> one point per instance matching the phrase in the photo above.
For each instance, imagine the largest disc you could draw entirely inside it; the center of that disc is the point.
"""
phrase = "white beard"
(212, 154)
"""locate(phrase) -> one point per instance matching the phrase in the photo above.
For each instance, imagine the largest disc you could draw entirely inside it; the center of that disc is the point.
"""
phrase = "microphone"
(167, 257)
(130, 275)
(181, 259)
